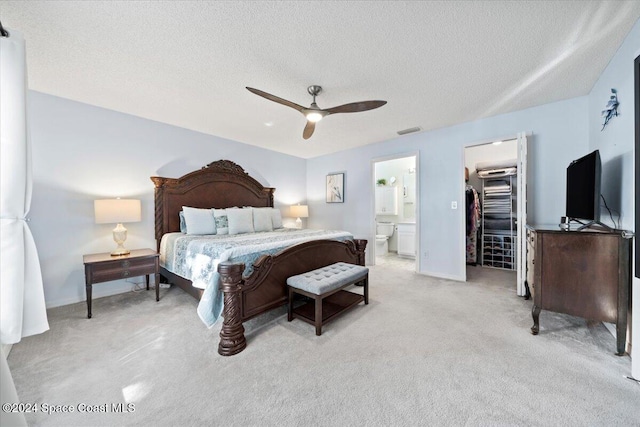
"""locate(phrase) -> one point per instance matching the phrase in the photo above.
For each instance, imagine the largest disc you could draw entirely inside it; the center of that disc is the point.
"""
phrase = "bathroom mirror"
(409, 195)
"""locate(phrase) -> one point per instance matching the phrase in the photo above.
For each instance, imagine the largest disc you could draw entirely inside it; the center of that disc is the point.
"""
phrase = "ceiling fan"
(314, 113)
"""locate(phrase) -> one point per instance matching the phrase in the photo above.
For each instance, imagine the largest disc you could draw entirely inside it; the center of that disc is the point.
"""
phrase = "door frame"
(372, 233)
(521, 216)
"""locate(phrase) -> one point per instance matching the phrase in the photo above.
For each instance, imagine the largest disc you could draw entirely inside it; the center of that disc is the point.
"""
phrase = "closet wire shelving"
(499, 233)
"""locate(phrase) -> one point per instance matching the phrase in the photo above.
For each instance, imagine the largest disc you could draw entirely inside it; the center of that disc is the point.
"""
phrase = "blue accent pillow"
(183, 223)
(221, 220)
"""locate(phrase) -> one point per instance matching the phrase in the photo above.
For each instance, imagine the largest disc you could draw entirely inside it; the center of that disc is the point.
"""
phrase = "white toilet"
(384, 230)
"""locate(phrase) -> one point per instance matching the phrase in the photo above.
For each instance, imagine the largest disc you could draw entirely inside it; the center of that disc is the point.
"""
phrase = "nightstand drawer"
(122, 269)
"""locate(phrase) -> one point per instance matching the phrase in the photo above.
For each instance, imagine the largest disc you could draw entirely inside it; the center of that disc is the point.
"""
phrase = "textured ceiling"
(436, 63)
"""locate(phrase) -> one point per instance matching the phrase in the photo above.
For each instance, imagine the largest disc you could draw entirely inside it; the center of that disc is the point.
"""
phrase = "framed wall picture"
(335, 188)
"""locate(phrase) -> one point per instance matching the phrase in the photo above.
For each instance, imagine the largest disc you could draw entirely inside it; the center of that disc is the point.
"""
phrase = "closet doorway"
(395, 228)
(494, 213)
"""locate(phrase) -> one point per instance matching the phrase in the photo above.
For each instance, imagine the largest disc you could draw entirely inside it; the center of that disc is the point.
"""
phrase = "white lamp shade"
(115, 211)
(300, 211)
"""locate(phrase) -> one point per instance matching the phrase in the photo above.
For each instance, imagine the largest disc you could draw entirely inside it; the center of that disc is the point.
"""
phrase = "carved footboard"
(266, 288)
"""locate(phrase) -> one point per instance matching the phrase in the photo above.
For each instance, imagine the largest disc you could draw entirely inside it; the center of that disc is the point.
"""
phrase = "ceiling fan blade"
(276, 99)
(356, 107)
(308, 130)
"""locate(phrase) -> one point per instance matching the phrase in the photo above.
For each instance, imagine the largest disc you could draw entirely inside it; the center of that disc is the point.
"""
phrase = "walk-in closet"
(491, 205)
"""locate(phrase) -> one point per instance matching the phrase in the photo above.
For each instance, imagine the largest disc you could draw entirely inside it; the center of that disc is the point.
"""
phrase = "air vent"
(410, 130)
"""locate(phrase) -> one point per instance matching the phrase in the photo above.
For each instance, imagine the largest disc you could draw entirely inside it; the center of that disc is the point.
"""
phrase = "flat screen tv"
(583, 188)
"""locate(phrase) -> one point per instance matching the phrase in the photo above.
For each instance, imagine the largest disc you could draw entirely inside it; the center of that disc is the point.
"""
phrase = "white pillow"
(222, 221)
(276, 218)
(262, 219)
(240, 220)
(199, 221)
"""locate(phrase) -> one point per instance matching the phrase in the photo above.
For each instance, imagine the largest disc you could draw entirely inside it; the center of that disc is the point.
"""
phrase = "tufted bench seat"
(326, 287)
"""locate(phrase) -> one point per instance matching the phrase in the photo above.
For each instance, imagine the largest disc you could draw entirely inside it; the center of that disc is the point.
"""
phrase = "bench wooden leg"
(290, 306)
(318, 317)
(366, 289)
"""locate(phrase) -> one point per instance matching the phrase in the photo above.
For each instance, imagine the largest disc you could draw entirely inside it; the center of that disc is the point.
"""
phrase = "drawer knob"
(125, 273)
(126, 264)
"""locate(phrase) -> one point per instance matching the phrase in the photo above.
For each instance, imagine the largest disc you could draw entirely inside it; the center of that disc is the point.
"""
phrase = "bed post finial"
(227, 166)
(159, 211)
(232, 340)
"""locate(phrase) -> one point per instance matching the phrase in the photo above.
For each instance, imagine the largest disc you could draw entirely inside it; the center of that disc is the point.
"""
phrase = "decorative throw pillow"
(222, 221)
(199, 221)
(183, 223)
(276, 218)
(240, 220)
(262, 219)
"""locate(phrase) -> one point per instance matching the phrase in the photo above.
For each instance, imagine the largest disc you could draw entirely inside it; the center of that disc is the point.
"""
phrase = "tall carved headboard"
(221, 184)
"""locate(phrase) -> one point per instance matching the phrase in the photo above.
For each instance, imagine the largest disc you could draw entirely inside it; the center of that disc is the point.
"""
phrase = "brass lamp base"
(120, 252)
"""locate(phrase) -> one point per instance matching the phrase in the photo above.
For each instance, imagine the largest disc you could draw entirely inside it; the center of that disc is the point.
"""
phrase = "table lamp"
(117, 211)
(299, 211)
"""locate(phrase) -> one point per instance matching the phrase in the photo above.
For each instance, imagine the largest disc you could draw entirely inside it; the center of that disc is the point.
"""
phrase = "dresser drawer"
(122, 269)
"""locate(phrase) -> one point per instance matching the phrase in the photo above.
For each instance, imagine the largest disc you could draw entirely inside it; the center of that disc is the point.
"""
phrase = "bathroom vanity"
(407, 239)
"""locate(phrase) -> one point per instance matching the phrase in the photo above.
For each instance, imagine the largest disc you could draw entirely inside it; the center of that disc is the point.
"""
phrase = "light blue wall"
(560, 135)
(616, 144)
(616, 141)
(81, 153)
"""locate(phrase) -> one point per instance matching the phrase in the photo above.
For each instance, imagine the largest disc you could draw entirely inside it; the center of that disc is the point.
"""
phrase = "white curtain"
(22, 306)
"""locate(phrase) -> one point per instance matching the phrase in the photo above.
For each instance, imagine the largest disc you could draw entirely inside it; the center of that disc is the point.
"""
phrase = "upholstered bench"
(326, 287)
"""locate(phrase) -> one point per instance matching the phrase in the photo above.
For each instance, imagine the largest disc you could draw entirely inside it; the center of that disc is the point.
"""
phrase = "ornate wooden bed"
(224, 184)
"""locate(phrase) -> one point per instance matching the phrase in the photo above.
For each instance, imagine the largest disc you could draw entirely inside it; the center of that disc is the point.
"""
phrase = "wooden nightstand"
(103, 267)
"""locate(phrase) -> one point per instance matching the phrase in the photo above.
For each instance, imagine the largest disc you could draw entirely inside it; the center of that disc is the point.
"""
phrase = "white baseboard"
(6, 349)
(611, 328)
(99, 291)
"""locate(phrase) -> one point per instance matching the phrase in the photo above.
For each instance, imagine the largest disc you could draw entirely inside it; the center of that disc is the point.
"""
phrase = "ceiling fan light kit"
(314, 114)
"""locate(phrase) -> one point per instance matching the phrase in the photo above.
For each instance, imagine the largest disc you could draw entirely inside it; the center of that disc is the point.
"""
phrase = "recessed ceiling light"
(497, 143)
(269, 124)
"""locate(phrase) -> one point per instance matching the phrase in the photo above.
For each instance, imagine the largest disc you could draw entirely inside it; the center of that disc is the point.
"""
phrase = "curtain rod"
(3, 32)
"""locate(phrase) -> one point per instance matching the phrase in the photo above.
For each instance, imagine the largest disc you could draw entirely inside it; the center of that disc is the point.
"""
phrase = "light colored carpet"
(424, 351)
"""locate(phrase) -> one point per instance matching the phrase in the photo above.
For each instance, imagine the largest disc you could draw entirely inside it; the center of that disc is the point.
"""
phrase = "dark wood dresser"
(581, 273)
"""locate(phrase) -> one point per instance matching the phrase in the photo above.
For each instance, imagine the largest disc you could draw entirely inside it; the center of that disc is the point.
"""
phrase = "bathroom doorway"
(396, 211)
